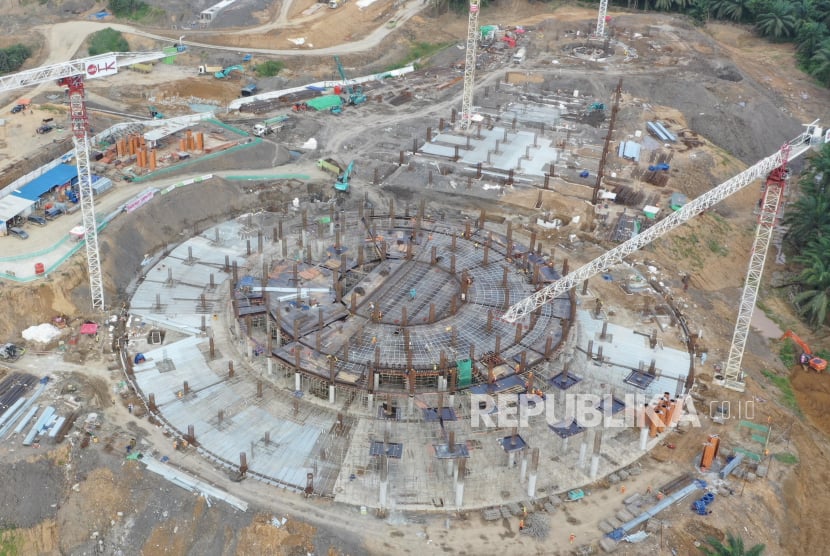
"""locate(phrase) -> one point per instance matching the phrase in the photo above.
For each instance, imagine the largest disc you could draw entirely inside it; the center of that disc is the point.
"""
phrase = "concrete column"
(270, 365)
(594, 466)
(583, 451)
(384, 481)
(643, 438)
(376, 385)
(298, 383)
(511, 459)
(331, 393)
(523, 467)
(534, 468)
(459, 484)
(370, 401)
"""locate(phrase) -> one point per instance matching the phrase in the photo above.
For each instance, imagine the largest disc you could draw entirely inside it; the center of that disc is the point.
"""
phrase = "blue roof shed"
(57, 176)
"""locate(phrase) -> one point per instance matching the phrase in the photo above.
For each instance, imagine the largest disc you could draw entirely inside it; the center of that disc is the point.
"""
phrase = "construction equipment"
(509, 41)
(222, 74)
(299, 107)
(154, 113)
(142, 68)
(330, 165)
(269, 126)
(807, 359)
(342, 183)
(70, 75)
(207, 70)
(470, 65)
(355, 93)
(596, 107)
(769, 167)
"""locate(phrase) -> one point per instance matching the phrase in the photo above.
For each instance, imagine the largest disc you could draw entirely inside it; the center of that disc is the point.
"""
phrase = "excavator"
(222, 74)
(342, 183)
(807, 358)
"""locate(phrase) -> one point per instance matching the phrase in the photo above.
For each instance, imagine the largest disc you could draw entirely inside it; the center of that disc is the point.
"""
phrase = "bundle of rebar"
(536, 526)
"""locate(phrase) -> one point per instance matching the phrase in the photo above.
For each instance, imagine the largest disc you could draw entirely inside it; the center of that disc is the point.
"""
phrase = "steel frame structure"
(603, 12)
(776, 162)
(776, 181)
(470, 65)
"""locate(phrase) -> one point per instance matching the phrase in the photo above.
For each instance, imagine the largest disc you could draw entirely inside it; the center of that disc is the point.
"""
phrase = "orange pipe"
(153, 159)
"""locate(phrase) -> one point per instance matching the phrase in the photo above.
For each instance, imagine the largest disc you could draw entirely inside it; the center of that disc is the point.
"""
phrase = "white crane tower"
(71, 75)
(470, 66)
(601, 16)
(774, 169)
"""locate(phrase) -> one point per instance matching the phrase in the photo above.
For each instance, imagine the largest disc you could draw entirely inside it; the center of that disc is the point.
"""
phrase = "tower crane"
(774, 168)
(470, 66)
(601, 16)
(71, 75)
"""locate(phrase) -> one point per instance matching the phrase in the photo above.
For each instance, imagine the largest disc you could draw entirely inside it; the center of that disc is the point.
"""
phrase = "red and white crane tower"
(71, 75)
(774, 169)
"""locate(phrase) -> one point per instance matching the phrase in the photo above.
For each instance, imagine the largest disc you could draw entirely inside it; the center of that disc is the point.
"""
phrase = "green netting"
(324, 102)
(465, 372)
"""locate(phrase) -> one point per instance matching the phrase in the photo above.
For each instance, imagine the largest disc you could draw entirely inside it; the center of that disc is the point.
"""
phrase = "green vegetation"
(734, 546)
(420, 51)
(717, 248)
(786, 457)
(13, 57)
(107, 40)
(9, 543)
(269, 68)
(788, 353)
(808, 234)
(783, 384)
(130, 9)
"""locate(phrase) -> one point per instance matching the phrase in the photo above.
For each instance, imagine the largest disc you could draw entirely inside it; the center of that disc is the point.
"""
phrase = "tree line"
(808, 235)
(13, 57)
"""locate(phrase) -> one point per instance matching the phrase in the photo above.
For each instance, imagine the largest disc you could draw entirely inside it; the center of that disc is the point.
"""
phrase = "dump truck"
(330, 165)
(269, 126)
(142, 68)
(209, 70)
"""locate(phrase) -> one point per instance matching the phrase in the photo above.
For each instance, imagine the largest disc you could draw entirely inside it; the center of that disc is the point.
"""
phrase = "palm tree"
(738, 10)
(807, 219)
(663, 5)
(778, 23)
(809, 37)
(821, 62)
(734, 547)
(720, 8)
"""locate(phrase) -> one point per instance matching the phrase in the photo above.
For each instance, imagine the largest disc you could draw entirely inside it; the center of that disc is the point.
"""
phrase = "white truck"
(334, 4)
(269, 126)
(519, 55)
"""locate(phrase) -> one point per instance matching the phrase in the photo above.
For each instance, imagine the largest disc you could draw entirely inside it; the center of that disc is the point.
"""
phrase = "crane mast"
(797, 146)
(470, 66)
(80, 137)
(603, 12)
(776, 181)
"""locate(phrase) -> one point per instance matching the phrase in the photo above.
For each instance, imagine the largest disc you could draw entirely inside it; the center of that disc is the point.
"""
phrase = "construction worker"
(521, 524)
(622, 489)
(572, 538)
(648, 489)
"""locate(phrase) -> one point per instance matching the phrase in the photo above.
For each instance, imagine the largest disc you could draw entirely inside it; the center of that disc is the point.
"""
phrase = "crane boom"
(797, 146)
(601, 15)
(54, 72)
